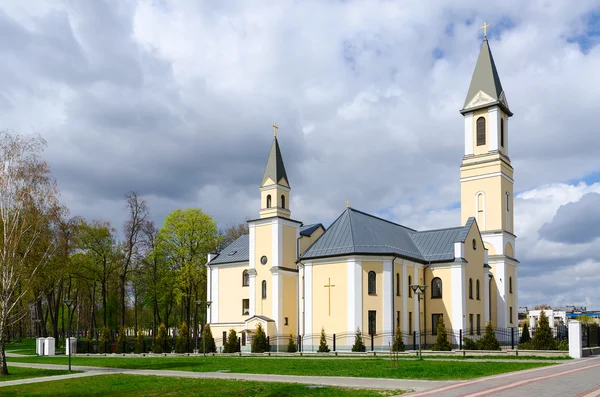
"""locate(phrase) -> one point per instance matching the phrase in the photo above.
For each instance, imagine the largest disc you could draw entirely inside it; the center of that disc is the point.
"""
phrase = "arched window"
(470, 288)
(409, 284)
(436, 288)
(480, 208)
(502, 132)
(510, 285)
(245, 279)
(477, 289)
(372, 283)
(397, 284)
(264, 289)
(282, 201)
(480, 131)
(268, 201)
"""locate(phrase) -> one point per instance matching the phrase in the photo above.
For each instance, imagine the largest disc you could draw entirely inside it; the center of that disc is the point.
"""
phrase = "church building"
(298, 279)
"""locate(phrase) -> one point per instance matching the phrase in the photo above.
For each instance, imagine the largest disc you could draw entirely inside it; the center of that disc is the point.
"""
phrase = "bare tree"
(133, 233)
(28, 209)
(232, 233)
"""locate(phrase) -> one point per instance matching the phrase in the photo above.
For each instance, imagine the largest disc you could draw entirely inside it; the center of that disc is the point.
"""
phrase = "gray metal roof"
(238, 251)
(275, 168)
(356, 232)
(308, 230)
(485, 78)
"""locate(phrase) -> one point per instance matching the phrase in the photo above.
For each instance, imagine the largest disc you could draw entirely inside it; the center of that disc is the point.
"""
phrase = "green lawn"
(371, 368)
(27, 346)
(15, 373)
(138, 385)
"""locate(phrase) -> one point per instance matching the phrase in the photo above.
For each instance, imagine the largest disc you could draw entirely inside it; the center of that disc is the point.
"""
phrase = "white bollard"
(575, 339)
(49, 348)
(71, 346)
(39, 346)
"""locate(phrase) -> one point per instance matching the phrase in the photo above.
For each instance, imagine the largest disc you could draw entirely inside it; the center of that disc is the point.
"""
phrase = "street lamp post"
(68, 303)
(198, 303)
(419, 290)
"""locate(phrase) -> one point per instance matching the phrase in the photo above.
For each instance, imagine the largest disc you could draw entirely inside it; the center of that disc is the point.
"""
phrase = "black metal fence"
(590, 335)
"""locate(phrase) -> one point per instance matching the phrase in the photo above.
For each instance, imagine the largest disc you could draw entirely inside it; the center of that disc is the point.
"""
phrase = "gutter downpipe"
(393, 300)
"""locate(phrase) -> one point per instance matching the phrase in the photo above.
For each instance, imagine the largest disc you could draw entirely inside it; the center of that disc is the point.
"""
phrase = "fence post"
(512, 339)
(414, 340)
(587, 328)
(372, 342)
(333, 342)
(299, 343)
(268, 344)
(460, 339)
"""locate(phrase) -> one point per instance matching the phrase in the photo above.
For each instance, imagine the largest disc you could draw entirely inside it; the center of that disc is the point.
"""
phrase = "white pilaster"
(276, 297)
(459, 293)
(486, 294)
(276, 232)
(501, 282)
(469, 134)
(417, 315)
(575, 345)
(506, 135)
(494, 128)
(308, 294)
(354, 298)
(252, 267)
(405, 288)
(388, 296)
(213, 310)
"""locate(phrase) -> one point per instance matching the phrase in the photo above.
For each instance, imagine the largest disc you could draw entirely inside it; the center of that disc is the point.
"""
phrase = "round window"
(474, 244)
(263, 260)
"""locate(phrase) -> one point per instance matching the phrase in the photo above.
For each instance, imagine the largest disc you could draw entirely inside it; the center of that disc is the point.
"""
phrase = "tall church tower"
(486, 181)
(275, 188)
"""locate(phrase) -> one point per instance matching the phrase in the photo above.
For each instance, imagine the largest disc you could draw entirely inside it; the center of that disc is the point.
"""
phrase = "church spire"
(275, 188)
(275, 170)
(485, 89)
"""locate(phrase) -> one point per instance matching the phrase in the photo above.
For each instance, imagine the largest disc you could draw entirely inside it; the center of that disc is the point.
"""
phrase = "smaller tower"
(275, 188)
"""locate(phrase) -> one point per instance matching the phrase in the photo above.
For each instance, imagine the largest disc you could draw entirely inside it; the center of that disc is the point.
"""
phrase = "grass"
(137, 385)
(15, 373)
(371, 368)
(27, 347)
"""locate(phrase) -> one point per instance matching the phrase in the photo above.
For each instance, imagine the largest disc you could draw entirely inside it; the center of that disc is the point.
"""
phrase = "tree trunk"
(122, 285)
(104, 314)
(3, 366)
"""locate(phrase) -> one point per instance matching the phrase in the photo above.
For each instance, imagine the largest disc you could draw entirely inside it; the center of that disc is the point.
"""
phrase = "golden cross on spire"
(275, 130)
(347, 203)
(484, 27)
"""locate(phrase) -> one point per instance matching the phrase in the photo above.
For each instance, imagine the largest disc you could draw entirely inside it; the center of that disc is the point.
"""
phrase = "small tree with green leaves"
(122, 341)
(231, 346)
(139, 343)
(207, 341)
(525, 337)
(88, 339)
(359, 345)
(292, 347)
(104, 341)
(323, 347)
(259, 342)
(161, 339)
(489, 341)
(441, 341)
(398, 345)
(182, 342)
(542, 335)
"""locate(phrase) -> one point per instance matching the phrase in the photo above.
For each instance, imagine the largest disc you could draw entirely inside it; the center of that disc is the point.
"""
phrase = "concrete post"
(49, 347)
(575, 339)
(39, 346)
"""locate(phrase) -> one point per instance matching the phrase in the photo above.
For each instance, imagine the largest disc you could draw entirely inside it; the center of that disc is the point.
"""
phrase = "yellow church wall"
(507, 187)
(435, 305)
(492, 189)
(217, 333)
(511, 297)
(398, 298)
(290, 303)
(263, 247)
(490, 248)
(231, 294)
(289, 245)
(474, 271)
(508, 250)
(337, 320)
(372, 301)
(276, 208)
(306, 241)
(493, 296)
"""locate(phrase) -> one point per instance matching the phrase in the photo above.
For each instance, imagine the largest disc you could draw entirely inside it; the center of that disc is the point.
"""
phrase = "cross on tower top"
(484, 27)
(275, 130)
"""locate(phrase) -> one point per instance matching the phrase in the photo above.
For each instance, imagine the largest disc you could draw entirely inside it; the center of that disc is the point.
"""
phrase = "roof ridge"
(383, 219)
(440, 229)
(350, 222)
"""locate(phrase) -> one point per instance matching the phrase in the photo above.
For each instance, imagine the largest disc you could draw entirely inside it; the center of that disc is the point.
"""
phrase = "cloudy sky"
(175, 100)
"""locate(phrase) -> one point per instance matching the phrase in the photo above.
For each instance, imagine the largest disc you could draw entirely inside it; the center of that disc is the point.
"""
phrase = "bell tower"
(486, 181)
(275, 188)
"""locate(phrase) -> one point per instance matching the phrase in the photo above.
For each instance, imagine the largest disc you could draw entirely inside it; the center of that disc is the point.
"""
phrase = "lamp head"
(68, 302)
(414, 287)
(208, 303)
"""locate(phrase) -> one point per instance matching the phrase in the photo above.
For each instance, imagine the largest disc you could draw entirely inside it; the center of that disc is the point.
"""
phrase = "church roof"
(238, 251)
(275, 168)
(308, 230)
(356, 232)
(485, 88)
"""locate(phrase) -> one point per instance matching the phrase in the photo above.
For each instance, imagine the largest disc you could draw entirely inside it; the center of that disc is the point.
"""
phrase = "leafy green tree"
(121, 341)
(259, 342)
(207, 341)
(542, 335)
(441, 341)
(292, 347)
(398, 345)
(489, 341)
(139, 343)
(182, 342)
(104, 340)
(323, 347)
(525, 337)
(160, 340)
(231, 346)
(358, 346)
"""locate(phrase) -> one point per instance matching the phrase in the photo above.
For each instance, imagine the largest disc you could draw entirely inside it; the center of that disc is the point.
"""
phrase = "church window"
(409, 284)
(471, 324)
(435, 319)
(245, 278)
(268, 201)
(436, 288)
(507, 202)
(282, 201)
(397, 319)
(263, 260)
(243, 339)
(474, 245)
(510, 285)
(510, 315)
(480, 131)
(410, 323)
(372, 283)
(224, 337)
(477, 289)
(372, 322)
(470, 288)
(502, 132)
(286, 321)
(479, 324)
(397, 284)
(264, 289)
(245, 307)
(480, 200)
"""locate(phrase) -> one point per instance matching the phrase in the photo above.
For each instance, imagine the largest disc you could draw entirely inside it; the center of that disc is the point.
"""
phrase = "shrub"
(564, 345)
(139, 343)
(398, 345)
(358, 346)
(323, 348)
(489, 341)
(207, 341)
(259, 342)
(122, 341)
(441, 342)
(469, 344)
(292, 347)
(542, 336)
(231, 346)
(525, 337)
(104, 341)
(160, 340)
(182, 342)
